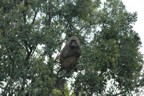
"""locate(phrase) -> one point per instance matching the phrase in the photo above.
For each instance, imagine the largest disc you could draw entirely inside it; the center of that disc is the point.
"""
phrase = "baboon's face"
(73, 44)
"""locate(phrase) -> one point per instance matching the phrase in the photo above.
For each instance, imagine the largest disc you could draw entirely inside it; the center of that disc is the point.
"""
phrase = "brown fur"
(69, 56)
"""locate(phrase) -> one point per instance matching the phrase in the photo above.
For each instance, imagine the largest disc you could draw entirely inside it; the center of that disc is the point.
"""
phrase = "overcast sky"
(137, 6)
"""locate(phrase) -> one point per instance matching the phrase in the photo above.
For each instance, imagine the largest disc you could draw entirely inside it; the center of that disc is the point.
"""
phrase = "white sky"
(137, 6)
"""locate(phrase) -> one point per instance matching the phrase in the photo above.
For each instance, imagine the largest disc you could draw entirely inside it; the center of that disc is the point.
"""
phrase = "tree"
(33, 31)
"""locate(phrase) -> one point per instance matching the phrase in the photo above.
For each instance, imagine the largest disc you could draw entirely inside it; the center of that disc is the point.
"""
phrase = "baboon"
(70, 53)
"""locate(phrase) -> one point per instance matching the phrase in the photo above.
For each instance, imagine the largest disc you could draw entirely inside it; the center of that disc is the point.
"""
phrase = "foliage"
(33, 31)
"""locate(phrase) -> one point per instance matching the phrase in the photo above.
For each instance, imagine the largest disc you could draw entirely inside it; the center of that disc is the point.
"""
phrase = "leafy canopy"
(33, 31)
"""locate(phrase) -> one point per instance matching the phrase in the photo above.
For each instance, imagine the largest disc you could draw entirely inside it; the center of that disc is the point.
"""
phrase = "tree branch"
(34, 17)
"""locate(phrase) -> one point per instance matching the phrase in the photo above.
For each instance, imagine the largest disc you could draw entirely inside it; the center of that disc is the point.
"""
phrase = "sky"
(137, 6)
